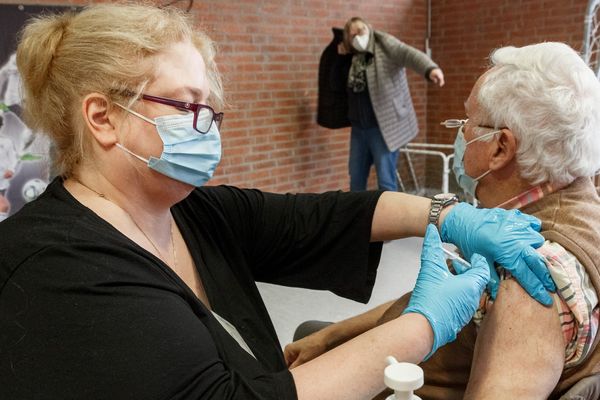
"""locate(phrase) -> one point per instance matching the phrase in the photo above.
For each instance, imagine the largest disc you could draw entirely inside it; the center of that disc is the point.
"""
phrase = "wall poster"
(24, 155)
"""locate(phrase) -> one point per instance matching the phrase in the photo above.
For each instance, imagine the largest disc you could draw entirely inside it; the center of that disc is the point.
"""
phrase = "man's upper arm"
(519, 352)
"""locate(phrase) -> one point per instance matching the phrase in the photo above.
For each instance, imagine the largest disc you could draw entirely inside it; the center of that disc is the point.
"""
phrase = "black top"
(86, 313)
(360, 109)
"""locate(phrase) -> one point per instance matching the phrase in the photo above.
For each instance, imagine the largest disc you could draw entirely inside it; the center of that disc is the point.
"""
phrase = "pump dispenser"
(403, 378)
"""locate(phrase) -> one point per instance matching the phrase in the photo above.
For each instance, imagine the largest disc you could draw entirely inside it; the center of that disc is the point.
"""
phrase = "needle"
(456, 257)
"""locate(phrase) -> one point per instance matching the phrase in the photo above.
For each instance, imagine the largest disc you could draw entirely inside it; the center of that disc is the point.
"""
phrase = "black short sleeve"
(316, 241)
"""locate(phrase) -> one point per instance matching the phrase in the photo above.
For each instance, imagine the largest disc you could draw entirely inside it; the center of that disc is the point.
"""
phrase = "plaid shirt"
(575, 300)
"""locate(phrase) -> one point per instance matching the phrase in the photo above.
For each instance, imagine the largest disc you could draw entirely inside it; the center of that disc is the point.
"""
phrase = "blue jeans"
(367, 147)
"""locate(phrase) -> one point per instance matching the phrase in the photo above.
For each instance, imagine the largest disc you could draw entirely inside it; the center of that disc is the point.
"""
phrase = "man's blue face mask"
(467, 183)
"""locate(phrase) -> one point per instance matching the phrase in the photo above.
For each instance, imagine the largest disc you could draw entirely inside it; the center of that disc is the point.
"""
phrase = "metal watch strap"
(435, 210)
(438, 203)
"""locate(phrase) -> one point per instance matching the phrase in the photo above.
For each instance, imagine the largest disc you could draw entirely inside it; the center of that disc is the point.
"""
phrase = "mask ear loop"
(479, 138)
(125, 149)
(136, 114)
(483, 175)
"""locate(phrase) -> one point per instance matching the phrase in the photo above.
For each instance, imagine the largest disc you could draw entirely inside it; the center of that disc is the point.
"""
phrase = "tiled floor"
(291, 306)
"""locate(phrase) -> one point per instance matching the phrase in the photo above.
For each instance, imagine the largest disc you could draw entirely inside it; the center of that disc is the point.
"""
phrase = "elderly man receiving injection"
(531, 143)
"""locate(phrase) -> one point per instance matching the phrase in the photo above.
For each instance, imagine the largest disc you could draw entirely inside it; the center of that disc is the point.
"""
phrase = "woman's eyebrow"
(196, 94)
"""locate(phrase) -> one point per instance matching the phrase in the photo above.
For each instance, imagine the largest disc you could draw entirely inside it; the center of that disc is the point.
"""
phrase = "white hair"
(550, 99)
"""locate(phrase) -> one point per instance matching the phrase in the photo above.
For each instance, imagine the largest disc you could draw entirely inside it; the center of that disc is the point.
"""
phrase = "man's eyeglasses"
(457, 123)
(454, 123)
(203, 115)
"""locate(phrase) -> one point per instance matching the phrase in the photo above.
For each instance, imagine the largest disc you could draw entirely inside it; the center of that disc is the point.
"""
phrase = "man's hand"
(305, 349)
(436, 76)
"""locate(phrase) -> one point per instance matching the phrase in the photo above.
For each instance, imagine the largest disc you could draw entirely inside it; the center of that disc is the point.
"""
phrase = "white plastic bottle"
(403, 378)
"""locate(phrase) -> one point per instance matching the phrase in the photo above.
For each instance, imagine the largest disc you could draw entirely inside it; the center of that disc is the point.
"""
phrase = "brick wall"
(464, 33)
(269, 54)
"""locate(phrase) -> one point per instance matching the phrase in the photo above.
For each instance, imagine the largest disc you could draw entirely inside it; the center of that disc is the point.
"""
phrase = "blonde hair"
(105, 49)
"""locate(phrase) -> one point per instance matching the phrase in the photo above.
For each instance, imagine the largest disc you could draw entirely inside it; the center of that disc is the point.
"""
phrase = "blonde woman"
(129, 278)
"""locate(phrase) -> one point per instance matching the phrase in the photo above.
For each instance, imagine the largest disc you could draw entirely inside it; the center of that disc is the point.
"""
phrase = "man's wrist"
(333, 335)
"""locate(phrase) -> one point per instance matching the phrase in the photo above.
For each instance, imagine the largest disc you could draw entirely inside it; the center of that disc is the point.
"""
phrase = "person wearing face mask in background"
(371, 67)
(531, 143)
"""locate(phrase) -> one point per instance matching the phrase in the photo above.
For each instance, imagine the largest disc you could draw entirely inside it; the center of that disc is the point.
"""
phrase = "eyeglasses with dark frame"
(203, 115)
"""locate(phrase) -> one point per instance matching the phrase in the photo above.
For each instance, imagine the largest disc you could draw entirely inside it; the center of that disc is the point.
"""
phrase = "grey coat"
(388, 87)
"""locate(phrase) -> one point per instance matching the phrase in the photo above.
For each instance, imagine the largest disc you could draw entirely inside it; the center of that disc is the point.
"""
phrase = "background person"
(380, 108)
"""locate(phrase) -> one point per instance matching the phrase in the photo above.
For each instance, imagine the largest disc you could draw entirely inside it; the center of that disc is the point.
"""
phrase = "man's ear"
(504, 151)
(100, 119)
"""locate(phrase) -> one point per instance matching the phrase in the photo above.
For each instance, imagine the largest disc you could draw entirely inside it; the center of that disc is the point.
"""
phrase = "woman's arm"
(505, 237)
(440, 306)
(401, 215)
(328, 338)
(355, 368)
(404, 55)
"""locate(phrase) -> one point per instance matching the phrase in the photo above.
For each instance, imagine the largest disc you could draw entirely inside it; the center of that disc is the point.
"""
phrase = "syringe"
(454, 256)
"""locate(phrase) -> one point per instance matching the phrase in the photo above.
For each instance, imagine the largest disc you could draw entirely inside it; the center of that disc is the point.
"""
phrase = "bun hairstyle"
(107, 49)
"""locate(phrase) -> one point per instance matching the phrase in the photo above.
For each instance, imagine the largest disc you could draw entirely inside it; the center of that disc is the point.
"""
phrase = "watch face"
(444, 196)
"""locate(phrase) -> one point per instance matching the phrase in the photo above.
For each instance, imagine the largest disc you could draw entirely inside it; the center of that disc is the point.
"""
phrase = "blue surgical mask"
(468, 184)
(188, 156)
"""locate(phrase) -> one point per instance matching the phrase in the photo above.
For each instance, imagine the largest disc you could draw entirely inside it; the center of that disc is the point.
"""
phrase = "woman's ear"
(100, 119)
(504, 152)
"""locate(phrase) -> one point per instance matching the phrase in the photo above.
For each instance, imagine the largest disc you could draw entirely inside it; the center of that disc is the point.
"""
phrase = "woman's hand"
(447, 301)
(437, 76)
(341, 49)
(507, 237)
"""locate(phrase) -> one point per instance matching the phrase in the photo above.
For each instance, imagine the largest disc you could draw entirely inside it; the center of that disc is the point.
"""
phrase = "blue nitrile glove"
(447, 301)
(507, 237)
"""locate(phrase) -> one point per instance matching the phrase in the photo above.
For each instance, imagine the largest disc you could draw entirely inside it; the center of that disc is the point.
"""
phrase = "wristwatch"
(438, 203)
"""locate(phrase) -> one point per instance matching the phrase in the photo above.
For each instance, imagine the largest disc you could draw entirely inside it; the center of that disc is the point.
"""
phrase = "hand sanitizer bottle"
(403, 378)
